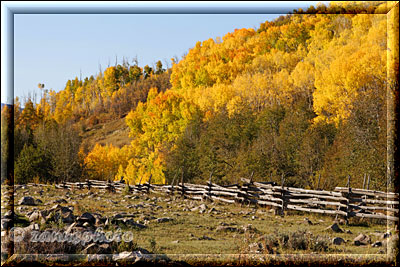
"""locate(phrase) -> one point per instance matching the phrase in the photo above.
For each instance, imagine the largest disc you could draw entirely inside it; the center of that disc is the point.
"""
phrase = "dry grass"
(114, 132)
(184, 235)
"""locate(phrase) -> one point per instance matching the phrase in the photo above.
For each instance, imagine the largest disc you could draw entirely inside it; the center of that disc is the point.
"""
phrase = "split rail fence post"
(183, 186)
(365, 176)
(148, 184)
(139, 186)
(348, 209)
(88, 184)
(209, 188)
(245, 188)
(283, 195)
(364, 197)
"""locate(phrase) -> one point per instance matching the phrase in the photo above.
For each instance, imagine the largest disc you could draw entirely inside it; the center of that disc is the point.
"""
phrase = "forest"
(303, 96)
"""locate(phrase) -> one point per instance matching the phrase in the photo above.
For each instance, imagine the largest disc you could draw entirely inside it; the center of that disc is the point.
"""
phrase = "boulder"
(335, 228)
(129, 256)
(377, 244)
(87, 217)
(59, 201)
(57, 213)
(131, 222)
(29, 201)
(67, 217)
(228, 229)
(308, 221)
(338, 241)
(362, 240)
(37, 216)
(386, 235)
(204, 237)
(165, 219)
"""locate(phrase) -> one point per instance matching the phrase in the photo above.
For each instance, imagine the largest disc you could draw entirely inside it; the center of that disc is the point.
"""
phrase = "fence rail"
(343, 201)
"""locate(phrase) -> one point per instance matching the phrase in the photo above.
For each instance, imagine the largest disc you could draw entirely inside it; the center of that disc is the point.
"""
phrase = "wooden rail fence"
(343, 201)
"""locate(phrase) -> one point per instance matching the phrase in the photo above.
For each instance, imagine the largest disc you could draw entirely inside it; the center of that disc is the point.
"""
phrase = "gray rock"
(36, 216)
(386, 235)
(59, 201)
(67, 217)
(338, 241)
(131, 222)
(165, 219)
(126, 255)
(58, 212)
(55, 207)
(119, 215)
(147, 217)
(130, 256)
(377, 244)
(335, 228)
(228, 229)
(29, 201)
(362, 239)
(87, 217)
(308, 221)
(204, 237)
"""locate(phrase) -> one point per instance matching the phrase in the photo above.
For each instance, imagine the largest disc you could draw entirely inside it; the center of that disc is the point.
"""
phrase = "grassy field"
(218, 228)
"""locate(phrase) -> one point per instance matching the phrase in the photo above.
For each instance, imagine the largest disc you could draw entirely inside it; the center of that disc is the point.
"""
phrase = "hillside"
(301, 97)
(114, 132)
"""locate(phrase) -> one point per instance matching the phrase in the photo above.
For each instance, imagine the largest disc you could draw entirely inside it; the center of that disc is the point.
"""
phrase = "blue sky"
(51, 49)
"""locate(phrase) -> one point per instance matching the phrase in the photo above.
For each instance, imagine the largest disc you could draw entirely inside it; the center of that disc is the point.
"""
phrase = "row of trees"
(48, 143)
(114, 92)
